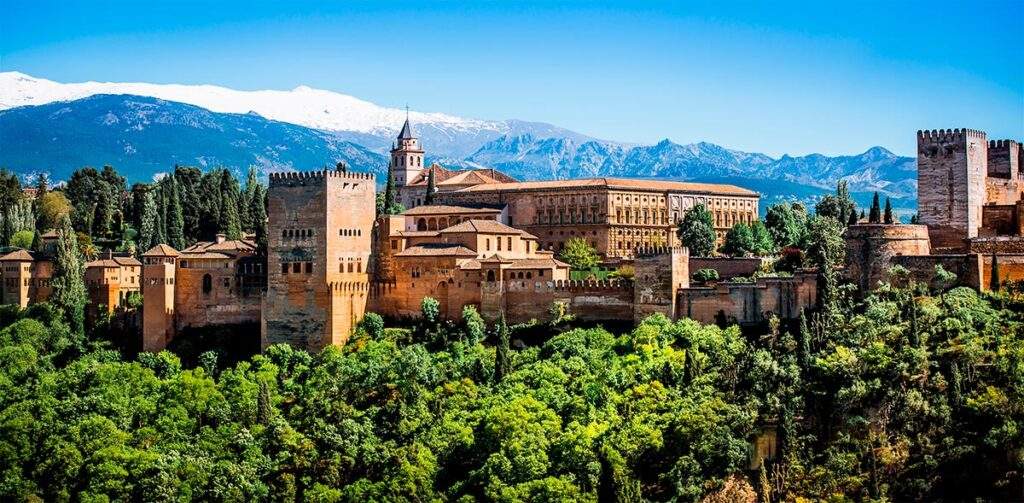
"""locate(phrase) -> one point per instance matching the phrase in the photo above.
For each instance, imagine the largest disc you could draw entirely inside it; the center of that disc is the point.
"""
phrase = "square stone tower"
(158, 271)
(659, 273)
(951, 169)
(319, 239)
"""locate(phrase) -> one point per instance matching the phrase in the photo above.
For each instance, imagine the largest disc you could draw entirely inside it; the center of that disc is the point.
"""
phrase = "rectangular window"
(284, 267)
(394, 244)
(296, 267)
(309, 268)
(350, 267)
(509, 243)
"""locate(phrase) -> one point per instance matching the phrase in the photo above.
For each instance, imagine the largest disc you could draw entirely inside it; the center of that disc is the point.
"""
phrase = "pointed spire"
(406, 133)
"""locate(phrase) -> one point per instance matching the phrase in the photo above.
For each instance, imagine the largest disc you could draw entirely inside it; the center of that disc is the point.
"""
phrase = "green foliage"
(739, 241)
(23, 239)
(431, 188)
(373, 325)
(705, 275)
(697, 231)
(578, 253)
(888, 216)
(68, 282)
(826, 248)
(387, 203)
(51, 210)
(901, 397)
(784, 225)
(762, 242)
(875, 216)
(473, 325)
(840, 206)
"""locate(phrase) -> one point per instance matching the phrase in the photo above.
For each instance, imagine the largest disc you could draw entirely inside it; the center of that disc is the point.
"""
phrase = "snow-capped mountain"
(353, 119)
(147, 128)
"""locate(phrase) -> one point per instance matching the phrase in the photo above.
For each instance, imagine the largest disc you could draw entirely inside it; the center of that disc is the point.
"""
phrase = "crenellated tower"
(952, 166)
(319, 240)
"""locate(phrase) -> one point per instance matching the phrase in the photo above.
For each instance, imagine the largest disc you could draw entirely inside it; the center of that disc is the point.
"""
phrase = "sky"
(772, 77)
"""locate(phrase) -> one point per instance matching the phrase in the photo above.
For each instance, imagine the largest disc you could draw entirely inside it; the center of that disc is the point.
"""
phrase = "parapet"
(948, 135)
(1009, 145)
(654, 251)
(305, 178)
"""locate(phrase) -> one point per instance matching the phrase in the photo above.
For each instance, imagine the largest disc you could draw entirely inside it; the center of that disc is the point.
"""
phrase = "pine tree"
(148, 232)
(175, 218)
(875, 217)
(69, 293)
(993, 282)
(431, 188)
(502, 353)
(888, 218)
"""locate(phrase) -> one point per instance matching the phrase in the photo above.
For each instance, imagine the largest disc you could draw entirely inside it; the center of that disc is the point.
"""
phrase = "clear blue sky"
(773, 77)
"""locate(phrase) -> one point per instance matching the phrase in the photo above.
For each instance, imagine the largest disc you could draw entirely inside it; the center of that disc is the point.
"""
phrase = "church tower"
(406, 156)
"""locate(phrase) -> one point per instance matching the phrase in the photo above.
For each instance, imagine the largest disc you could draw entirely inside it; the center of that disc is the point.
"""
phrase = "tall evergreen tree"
(229, 222)
(391, 206)
(42, 185)
(993, 281)
(875, 217)
(252, 185)
(431, 188)
(175, 217)
(503, 351)
(888, 217)
(69, 293)
(258, 210)
(148, 231)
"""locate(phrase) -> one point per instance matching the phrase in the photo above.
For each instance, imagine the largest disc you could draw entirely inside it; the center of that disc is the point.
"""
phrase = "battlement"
(567, 285)
(948, 135)
(303, 178)
(654, 251)
(1002, 144)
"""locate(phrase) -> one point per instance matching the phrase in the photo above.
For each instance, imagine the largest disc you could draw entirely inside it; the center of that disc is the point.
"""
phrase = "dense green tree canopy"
(697, 231)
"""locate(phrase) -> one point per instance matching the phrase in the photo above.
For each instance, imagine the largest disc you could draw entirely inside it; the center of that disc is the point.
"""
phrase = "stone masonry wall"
(727, 267)
(952, 167)
(749, 302)
(967, 267)
(871, 248)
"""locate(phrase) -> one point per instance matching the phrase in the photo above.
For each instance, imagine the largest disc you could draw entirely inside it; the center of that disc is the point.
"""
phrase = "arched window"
(421, 225)
(207, 284)
(490, 275)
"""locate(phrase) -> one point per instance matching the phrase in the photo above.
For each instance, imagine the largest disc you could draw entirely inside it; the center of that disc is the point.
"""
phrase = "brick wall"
(871, 248)
(967, 267)
(727, 267)
(1011, 268)
(749, 302)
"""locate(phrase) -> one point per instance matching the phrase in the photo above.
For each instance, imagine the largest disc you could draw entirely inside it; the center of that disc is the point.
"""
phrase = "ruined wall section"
(871, 248)
(952, 166)
(750, 302)
(587, 300)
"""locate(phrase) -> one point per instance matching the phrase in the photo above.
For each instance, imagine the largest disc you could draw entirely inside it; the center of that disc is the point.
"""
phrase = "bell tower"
(406, 156)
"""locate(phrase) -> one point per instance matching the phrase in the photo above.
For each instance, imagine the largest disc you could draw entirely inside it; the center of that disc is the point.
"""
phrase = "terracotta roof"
(436, 250)
(129, 261)
(161, 250)
(445, 176)
(443, 209)
(416, 234)
(105, 263)
(615, 183)
(485, 226)
(19, 256)
(536, 263)
(232, 247)
(206, 255)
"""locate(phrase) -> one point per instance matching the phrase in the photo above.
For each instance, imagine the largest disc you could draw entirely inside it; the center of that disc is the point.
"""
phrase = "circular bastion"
(870, 249)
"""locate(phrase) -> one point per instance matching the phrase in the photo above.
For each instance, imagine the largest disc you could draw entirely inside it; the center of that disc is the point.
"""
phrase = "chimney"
(221, 238)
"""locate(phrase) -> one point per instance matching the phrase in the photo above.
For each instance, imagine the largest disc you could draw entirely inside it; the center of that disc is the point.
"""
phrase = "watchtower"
(406, 156)
(158, 271)
(951, 169)
(319, 239)
(658, 274)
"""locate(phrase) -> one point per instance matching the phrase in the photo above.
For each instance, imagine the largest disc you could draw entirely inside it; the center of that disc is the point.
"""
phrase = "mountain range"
(145, 129)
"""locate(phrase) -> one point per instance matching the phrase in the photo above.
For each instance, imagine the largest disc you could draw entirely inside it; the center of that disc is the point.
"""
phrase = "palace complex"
(489, 241)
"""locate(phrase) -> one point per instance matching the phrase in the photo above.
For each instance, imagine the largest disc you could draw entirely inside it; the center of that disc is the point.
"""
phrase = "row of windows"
(350, 232)
(487, 244)
(414, 160)
(353, 266)
(297, 233)
(296, 267)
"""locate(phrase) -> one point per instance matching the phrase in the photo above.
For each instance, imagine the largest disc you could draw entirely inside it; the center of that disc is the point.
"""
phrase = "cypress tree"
(148, 232)
(389, 195)
(37, 241)
(888, 212)
(502, 353)
(875, 217)
(175, 218)
(431, 188)
(258, 210)
(804, 342)
(68, 284)
(993, 281)
(862, 215)
(42, 185)
(853, 217)
(263, 405)
(229, 221)
(252, 184)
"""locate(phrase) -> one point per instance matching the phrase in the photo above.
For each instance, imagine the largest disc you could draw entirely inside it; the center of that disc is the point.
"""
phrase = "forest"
(913, 393)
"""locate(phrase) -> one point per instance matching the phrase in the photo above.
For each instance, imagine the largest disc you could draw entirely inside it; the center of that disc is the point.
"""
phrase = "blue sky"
(773, 77)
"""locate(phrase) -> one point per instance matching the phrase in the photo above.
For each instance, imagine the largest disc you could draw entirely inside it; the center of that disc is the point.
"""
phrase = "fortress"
(489, 241)
(970, 210)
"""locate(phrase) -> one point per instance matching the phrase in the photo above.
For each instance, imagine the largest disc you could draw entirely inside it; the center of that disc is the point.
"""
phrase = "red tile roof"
(616, 183)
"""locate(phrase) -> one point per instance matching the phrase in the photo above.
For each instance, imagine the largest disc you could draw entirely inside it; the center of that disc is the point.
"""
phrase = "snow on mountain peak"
(303, 105)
